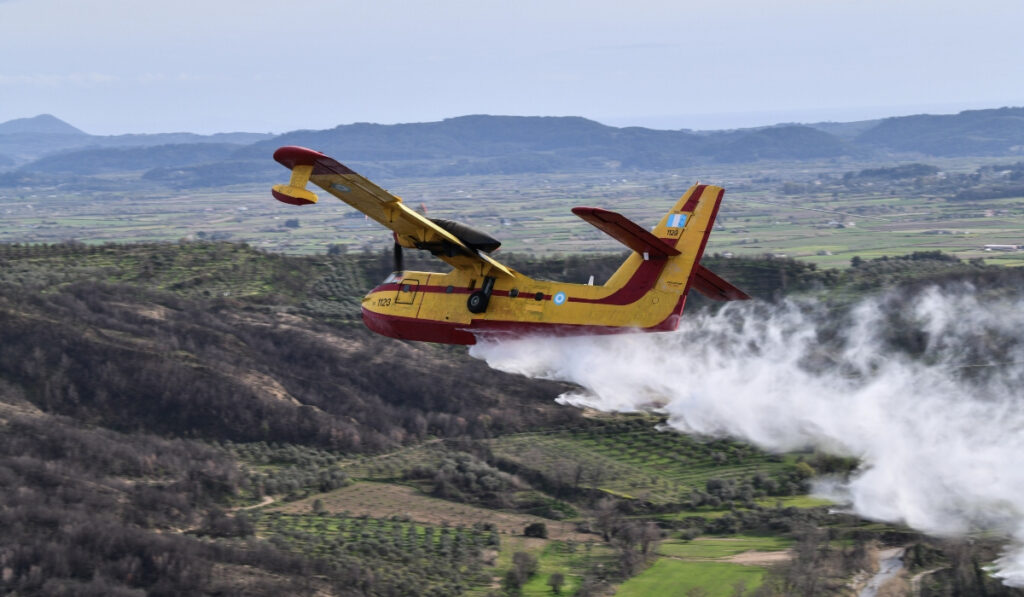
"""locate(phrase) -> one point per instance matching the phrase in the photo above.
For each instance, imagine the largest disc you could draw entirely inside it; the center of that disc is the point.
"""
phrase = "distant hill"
(973, 132)
(26, 139)
(44, 124)
(120, 159)
(846, 131)
(484, 144)
(506, 144)
(793, 142)
(509, 144)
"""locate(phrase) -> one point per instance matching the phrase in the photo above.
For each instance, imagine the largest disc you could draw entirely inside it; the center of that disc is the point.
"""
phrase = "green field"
(869, 226)
(720, 547)
(824, 222)
(568, 559)
(668, 578)
(797, 501)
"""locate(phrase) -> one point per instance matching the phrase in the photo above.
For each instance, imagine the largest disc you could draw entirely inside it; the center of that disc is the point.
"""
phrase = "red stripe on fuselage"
(639, 284)
(427, 330)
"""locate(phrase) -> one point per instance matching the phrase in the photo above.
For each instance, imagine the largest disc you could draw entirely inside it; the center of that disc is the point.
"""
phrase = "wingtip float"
(480, 297)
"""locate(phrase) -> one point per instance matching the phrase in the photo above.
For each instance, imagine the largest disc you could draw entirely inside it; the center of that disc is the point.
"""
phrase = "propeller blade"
(399, 261)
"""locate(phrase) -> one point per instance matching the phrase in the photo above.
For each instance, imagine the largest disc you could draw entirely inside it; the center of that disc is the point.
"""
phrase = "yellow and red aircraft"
(481, 298)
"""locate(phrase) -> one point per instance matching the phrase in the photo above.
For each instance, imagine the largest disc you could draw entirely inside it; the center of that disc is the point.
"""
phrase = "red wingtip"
(293, 155)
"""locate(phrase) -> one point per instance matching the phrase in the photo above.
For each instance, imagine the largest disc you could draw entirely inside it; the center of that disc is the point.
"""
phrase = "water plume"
(924, 389)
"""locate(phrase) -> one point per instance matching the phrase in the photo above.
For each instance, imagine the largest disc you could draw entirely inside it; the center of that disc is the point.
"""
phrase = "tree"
(536, 529)
(606, 517)
(524, 566)
(555, 581)
(649, 537)
(512, 583)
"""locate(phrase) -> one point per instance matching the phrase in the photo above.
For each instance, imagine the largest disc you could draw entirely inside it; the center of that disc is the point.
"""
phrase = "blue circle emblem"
(559, 298)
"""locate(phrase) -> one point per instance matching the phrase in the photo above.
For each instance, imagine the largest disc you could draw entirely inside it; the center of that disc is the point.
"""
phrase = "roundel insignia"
(559, 298)
(340, 187)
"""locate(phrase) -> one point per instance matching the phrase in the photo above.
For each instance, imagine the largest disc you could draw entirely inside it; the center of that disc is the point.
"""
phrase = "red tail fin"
(626, 232)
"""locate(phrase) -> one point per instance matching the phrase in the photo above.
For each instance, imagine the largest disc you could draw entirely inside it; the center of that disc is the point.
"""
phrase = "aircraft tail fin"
(675, 246)
(686, 227)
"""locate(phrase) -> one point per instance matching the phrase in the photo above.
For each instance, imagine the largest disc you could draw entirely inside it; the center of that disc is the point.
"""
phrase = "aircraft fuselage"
(433, 306)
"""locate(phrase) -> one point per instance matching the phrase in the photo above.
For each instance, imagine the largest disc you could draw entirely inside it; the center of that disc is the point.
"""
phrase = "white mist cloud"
(924, 390)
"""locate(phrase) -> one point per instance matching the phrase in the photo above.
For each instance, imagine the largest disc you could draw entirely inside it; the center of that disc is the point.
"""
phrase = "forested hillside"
(149, 392)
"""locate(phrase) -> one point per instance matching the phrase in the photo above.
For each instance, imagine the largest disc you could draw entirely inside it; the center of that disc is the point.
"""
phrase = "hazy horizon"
(114, 66)
(697, 122)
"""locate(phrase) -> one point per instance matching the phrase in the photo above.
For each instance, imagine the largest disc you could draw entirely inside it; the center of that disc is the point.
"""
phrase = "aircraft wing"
(411, 228)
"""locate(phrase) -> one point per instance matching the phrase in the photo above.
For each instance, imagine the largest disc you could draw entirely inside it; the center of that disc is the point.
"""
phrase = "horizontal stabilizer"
(293, 195)
(626, 232)
(715, 288)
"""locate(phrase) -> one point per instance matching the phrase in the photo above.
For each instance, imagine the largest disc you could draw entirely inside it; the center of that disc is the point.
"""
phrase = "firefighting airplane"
(481, 298)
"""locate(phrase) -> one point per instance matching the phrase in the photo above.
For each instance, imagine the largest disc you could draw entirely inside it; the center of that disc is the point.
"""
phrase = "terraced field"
(436, 560)
(393, 464)
(637, 462)
(387, 500)
(432, 540)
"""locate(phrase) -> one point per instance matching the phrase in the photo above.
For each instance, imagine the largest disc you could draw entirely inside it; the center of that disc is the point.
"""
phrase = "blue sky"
(119, 66)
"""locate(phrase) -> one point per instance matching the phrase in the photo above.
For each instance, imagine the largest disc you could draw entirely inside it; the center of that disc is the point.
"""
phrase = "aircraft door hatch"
(407, 292)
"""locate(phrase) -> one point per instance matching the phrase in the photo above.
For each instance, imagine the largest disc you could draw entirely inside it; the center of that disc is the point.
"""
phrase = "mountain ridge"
(481, 144)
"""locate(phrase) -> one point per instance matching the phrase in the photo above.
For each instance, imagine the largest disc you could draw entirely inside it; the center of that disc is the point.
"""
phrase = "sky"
(130, 66)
